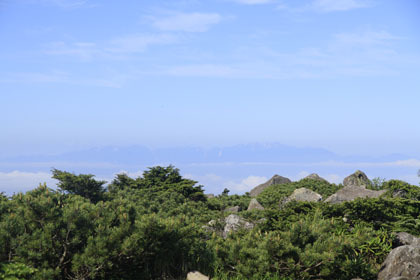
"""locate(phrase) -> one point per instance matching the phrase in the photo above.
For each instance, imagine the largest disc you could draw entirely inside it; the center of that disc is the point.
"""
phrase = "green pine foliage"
(156, 227)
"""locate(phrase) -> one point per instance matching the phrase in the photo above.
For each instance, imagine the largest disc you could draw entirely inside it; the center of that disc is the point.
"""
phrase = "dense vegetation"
(156, 227)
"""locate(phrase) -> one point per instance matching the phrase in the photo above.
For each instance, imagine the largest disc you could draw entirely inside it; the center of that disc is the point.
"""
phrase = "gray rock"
(358, 178)
(303, 194)
(234, 209)
(275, 180)
(195, 275)
(255, 205)
(315, 176)
(211, 226)
(349, 193)
(404, 238)
(233, 223)
(402, 263)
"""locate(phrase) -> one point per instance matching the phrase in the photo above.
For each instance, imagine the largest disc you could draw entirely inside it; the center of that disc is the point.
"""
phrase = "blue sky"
(341, 75)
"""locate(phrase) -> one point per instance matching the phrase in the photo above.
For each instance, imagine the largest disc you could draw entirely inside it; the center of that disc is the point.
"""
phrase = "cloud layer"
(338, 5)
(187, 22)
(19, 181)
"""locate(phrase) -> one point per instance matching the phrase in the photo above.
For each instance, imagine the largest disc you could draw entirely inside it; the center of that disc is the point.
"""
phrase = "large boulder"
(255, 205)
(234, 209)
(315, 176)
(196, 275)
(404, 238)
(302, 194)
(358, 178)
(233, 223)
(349, 193)
(275, 180)
(402, 263)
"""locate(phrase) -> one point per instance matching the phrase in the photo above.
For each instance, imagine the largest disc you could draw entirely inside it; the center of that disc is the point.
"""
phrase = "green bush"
(156, 227)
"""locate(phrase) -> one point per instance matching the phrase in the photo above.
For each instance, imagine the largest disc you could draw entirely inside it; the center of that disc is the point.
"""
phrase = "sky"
(341, 75)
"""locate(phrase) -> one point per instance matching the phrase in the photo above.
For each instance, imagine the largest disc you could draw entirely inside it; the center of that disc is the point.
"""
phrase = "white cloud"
(114, 81)
(138, 42)
(33, 77)
(253, 2)
(246, 184)
(358, 54)
(83, 50)
(187, 22)
(364, 39)
(207, 180)
(206, 70)
(338, 5)
(18, 181)
(412, 163)
(64, 4)
(215, 184)
(324, 6)
(405, 163)
(115, 48)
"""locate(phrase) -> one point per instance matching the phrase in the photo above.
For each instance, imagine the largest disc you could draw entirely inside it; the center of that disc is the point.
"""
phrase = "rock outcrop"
(404, 238)
(275, 180)
(302, 194)
(358, 178)
(315, 176)
(402, 263)
(234, 209)
(255, 205)
(195, 275)
(349, 193)
(233, 223)
(209, 195)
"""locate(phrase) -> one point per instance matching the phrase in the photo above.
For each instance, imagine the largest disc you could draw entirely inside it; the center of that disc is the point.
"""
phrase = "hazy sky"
(337, 74)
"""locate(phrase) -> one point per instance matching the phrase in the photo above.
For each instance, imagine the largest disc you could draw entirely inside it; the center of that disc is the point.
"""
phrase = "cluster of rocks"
(402, 263)
(354, 187)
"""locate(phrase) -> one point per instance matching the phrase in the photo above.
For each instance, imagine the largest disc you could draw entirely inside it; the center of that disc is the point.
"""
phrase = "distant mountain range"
(251, 153)
(239, 167)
